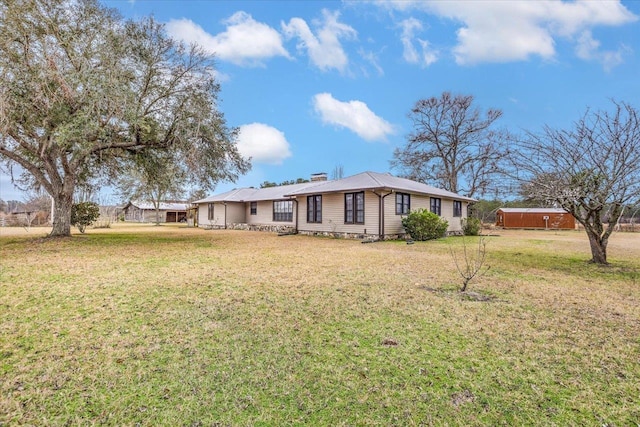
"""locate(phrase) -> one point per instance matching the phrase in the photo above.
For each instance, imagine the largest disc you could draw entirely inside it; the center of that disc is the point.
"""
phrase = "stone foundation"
(289, 229)
(273, 228)
(212, 227)
(337, 235)
(356, 236)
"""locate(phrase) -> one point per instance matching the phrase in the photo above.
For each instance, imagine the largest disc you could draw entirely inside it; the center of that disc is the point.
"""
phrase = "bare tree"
(82, 89)
(453, 145)
(591, 170)
(471, 263)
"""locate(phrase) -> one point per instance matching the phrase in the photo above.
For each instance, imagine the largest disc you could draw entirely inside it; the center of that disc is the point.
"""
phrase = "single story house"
(366, 205)
(546, 218)
(146, 212)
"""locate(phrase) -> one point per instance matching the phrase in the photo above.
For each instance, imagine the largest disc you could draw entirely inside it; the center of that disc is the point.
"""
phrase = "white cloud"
(515, 30)
(372, 59)
(245, 41)
(426, 56)
(324, 48)
(588, 49)
(506, 31)
(409, 26)
(353, 115)
(587, 45)
(263, 143)
(429, 55)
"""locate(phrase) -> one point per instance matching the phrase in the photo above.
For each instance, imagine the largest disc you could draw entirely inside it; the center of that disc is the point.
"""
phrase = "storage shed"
(146, 212)
(545, 218)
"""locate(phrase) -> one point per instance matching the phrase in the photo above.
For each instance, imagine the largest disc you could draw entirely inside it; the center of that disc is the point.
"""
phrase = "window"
(210, 211)
(314, 208)
(403, 203)
(457, 208)
(254, 208)
(436, 205)
(283, 211)
(354, 208)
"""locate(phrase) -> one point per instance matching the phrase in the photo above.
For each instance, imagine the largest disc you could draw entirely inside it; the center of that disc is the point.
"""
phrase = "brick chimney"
(321, 176)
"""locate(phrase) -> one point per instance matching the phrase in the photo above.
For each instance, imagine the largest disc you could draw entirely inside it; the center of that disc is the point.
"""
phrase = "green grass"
(190, 327)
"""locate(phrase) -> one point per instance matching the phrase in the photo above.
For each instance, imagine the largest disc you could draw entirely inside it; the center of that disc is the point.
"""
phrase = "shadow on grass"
(454, 292)
(577, 266)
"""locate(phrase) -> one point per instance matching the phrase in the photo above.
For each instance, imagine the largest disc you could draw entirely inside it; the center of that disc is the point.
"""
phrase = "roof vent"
(321, 176)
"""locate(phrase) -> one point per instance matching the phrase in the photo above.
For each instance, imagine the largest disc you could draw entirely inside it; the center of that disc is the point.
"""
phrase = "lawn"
(176, 326)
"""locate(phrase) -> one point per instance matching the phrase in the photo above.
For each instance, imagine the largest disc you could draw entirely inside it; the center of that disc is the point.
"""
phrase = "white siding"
(393, 222)
(455, 223)
(236, 213)
(264, 214)
(447, 214)
(333, 206)
(203, 211)
(231, 213)
(219, 214)
(333, 215)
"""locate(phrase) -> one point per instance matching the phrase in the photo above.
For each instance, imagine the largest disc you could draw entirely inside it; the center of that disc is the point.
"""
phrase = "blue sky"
(317, 84)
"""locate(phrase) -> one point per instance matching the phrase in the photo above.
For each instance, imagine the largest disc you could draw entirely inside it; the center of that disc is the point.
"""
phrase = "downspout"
(295, 201)
(225, 214)
(381, 213)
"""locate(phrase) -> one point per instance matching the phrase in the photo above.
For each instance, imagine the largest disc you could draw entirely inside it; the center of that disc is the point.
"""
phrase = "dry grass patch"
(175, 326)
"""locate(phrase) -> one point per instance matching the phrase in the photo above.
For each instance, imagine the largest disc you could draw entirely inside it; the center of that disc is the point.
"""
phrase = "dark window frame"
(314, 209)
(457, 208)
(403, 203)
(283, 211)
(354, 207)
(435, 205)
(253, 207)
(210, 211)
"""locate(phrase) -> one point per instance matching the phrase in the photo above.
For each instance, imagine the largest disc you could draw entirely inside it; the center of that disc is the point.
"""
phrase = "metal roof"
(282, 191)
(533, 210)
(235, 195)
(361, 181)
(257, 194)
(163, 206)
(378, 181)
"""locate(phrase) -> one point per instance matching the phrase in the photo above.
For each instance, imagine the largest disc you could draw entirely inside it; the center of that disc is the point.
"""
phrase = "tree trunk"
(62, 202)
(598, 248)
(157, 198)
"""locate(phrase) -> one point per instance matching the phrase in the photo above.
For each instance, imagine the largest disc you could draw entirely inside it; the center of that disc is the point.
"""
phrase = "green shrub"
(424, 225)
(84, 214)
(471, 226)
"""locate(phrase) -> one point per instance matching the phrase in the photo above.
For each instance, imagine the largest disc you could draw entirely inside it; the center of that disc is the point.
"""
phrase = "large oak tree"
(83, 90)
(592, 169)
(454, 145)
